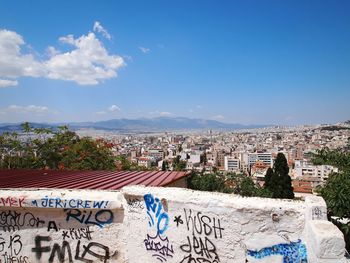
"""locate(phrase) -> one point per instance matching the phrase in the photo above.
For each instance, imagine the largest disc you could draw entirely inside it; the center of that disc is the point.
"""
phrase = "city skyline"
(268, 62)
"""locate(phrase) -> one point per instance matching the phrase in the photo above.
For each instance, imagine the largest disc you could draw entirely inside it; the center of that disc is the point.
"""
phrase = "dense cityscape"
(250, 152)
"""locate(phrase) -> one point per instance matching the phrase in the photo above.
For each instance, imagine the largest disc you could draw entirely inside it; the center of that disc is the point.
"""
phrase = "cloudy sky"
(252, 62)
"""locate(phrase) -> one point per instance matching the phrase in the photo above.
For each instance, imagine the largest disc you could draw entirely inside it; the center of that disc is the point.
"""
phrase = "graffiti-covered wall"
(141, 225)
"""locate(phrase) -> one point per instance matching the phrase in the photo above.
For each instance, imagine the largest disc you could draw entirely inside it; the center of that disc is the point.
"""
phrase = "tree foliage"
(336, 158)
(231, 183)
(165, 165)
(244, 185)
(179, 165)
(123, 164)
(48, 149)
(336, 191)
(277, 180)
(207, 182)
(268, 176)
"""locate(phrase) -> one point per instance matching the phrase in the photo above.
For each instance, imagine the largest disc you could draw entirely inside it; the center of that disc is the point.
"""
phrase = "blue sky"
(251, 62)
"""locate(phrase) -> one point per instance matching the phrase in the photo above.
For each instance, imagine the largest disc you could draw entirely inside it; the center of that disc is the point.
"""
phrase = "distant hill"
(143, 124)
(161, 124)
(16, 127)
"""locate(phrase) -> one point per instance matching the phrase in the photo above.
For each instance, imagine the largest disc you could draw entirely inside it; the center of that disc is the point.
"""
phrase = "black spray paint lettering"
(60, 251)
(88, 250)
(201, 247)
(52, 225)
(64, 251)
(14, 246)
(134, 204)
(77, 234)
(38, 249)
(191, 259)
(160, 246)
(12, 220)
(178, 220)
(201, 223)
(13, 259)
(2, 243)
(99, 218)
(317, 213)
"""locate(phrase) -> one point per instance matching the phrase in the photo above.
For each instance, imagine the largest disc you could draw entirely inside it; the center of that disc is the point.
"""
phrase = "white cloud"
(144, 49)
(165, 113)
(8, 83)
(114, 108)
(99, 28)
(199, 106)
(218, 117)
(128, 57)
(52, 51)
(13, 64)
(18, 113)
(27, 109)
(87, 63)
(69, 39)
(160, 113)
(109, 110)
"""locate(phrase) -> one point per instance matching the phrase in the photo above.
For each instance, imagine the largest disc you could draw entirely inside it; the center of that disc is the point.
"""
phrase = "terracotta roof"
(302, 186)
(111, 180)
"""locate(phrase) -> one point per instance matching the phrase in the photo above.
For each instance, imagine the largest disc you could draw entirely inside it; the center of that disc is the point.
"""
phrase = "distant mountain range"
(140, 125)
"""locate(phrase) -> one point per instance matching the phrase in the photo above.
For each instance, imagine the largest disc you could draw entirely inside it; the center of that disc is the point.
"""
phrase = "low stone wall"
(141, 225)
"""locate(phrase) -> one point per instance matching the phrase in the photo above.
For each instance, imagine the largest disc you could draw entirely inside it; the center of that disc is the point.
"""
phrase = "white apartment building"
(266, 158)
(304, 170)
(194, 158)
(156, 153)
(144, 161)
(232, 164)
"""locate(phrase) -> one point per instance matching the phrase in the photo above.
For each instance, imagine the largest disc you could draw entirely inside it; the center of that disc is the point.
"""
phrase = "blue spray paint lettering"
(99, 218)
(156, 213)
(294, 252)
(56, 202)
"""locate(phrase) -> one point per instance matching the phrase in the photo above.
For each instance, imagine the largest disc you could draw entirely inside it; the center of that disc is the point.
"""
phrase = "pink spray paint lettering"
(12, 201)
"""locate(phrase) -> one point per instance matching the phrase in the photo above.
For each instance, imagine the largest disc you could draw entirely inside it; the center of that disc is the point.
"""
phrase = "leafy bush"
(336, 191)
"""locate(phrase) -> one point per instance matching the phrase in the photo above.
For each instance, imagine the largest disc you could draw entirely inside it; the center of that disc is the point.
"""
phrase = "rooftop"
(103, 180)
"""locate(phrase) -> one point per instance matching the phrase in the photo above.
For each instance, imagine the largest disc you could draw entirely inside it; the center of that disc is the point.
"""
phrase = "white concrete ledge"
(154, 224)
(316, 208)
(325, 239)
(61, 198)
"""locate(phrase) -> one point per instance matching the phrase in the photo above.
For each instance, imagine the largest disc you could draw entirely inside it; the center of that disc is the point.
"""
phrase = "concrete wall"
(142, 225)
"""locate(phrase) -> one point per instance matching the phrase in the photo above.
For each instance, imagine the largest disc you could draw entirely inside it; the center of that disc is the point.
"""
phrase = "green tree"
(268, 176)
(336, 158)
(336, 191)
(62, 149)
(165, 165)
(244, 185)
(87, 154)
(203, 158)
(279, 182)
(232, 183)
(26, 127)
(123, 164)
(179, 165)
(207, 182)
